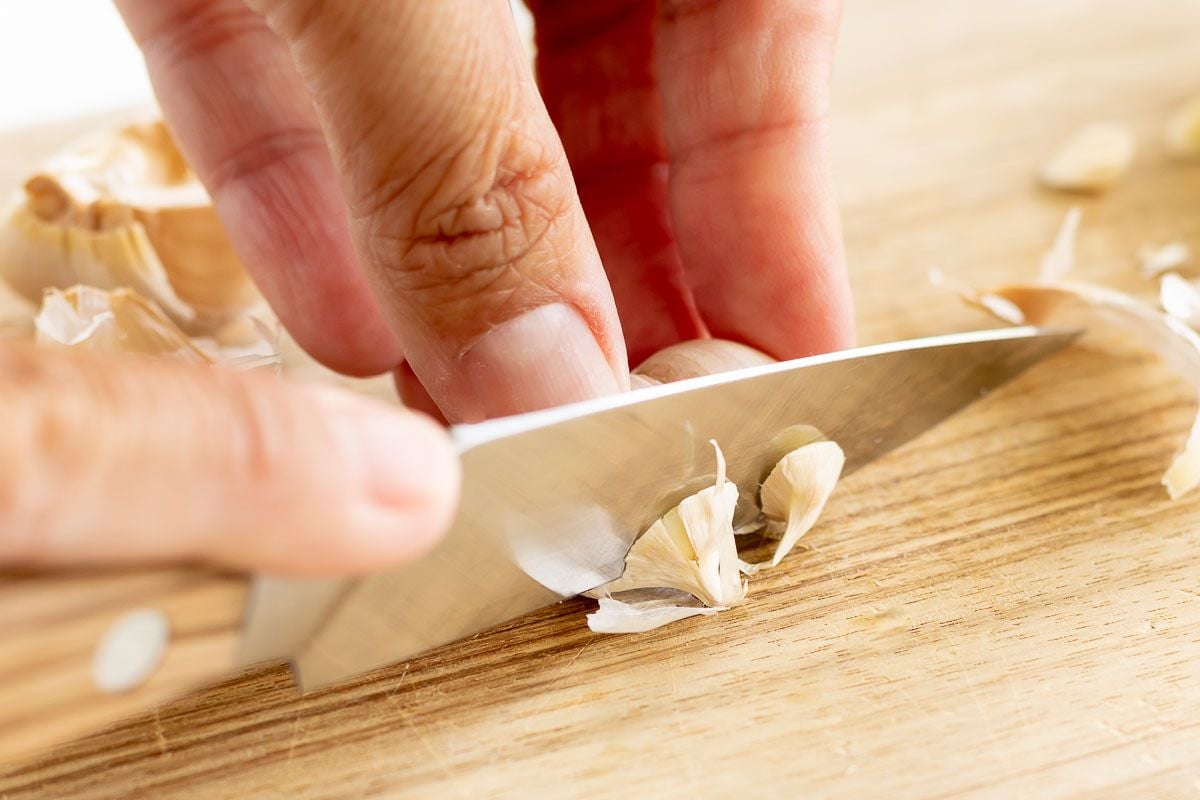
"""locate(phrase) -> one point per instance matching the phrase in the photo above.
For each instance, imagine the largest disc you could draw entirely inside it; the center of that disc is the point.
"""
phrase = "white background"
(68, 58)
(65, 58)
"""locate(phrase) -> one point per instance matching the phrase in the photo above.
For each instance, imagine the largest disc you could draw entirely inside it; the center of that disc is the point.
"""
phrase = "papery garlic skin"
(616, 616)
(122, 321)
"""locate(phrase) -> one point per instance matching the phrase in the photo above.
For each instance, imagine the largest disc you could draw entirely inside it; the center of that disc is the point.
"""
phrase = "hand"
(128, 460)
(696, 131)
(700, 161)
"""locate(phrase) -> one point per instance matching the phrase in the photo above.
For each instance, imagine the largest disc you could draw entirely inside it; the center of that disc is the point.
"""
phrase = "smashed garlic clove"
(1060, 258)
(795, 493)
(121, 209)
(1154, 261)
(646, 614)
(121, 321)
(1092, 160)
(1084, 305)
(1182, 132)
(691, 548)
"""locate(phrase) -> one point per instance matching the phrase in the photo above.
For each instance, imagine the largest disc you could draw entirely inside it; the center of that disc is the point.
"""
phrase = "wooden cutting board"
(1007, 607)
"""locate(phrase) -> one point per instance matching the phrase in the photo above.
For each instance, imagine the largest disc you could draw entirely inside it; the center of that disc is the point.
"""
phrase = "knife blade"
(552, 500)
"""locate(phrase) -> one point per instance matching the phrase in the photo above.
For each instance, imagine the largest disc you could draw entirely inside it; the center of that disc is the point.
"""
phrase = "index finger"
(463, 207)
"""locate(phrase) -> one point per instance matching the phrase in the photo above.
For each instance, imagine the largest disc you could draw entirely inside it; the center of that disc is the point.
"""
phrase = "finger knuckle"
(476, 222)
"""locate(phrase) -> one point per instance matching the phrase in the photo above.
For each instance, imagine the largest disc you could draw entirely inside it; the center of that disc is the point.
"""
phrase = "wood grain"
(52, 622)
(1005, 608)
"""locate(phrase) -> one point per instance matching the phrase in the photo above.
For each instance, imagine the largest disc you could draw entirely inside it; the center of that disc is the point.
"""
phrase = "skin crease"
(409, 196)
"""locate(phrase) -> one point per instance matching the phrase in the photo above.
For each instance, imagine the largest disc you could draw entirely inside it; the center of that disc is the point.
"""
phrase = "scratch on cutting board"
(293, 738)
(160, 736)
(553, 682)
(439, 759)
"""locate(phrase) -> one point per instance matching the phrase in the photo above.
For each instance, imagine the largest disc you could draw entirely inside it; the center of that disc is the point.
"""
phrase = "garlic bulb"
(122, 209)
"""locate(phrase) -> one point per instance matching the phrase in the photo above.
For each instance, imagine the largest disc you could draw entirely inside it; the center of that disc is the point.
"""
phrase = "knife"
(551, 502)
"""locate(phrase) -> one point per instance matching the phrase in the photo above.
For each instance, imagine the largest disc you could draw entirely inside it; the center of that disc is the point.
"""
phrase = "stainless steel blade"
(552, 500)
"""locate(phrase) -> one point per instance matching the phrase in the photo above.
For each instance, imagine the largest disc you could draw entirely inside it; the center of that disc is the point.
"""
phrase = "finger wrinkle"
(198, 30)
(276, 147)
(716, 150)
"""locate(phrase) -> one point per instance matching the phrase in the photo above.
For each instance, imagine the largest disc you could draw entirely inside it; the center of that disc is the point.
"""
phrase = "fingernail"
(543, 358)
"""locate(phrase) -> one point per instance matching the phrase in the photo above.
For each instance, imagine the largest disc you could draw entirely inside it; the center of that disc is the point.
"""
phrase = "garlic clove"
(795, 493)
(1092, 160)
(1182, 131)
(691, 548)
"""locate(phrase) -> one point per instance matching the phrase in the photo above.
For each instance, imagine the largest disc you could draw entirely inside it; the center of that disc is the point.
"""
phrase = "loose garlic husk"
(122, 321)
(1092, 160)
(122, 209)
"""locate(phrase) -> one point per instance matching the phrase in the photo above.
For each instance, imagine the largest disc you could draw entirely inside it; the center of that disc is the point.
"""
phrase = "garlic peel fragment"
(1060, 258)
(1082, 305)
(1180, 298)
(617, 616)
(122, 321)
(1093, 159)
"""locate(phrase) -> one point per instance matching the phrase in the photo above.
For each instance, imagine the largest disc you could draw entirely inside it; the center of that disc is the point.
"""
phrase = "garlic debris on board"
(796, 491)
(1154, 261)
(686, 564)
(1092, 160)
(1084, 305)
(1180, 298)
(690, 549)
(122, 209)
(1182, 132)
(1060, 258)
(122, 321)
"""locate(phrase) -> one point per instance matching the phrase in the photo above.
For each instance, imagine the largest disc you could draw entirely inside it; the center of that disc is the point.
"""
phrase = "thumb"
(463, 209)
(125, 460)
